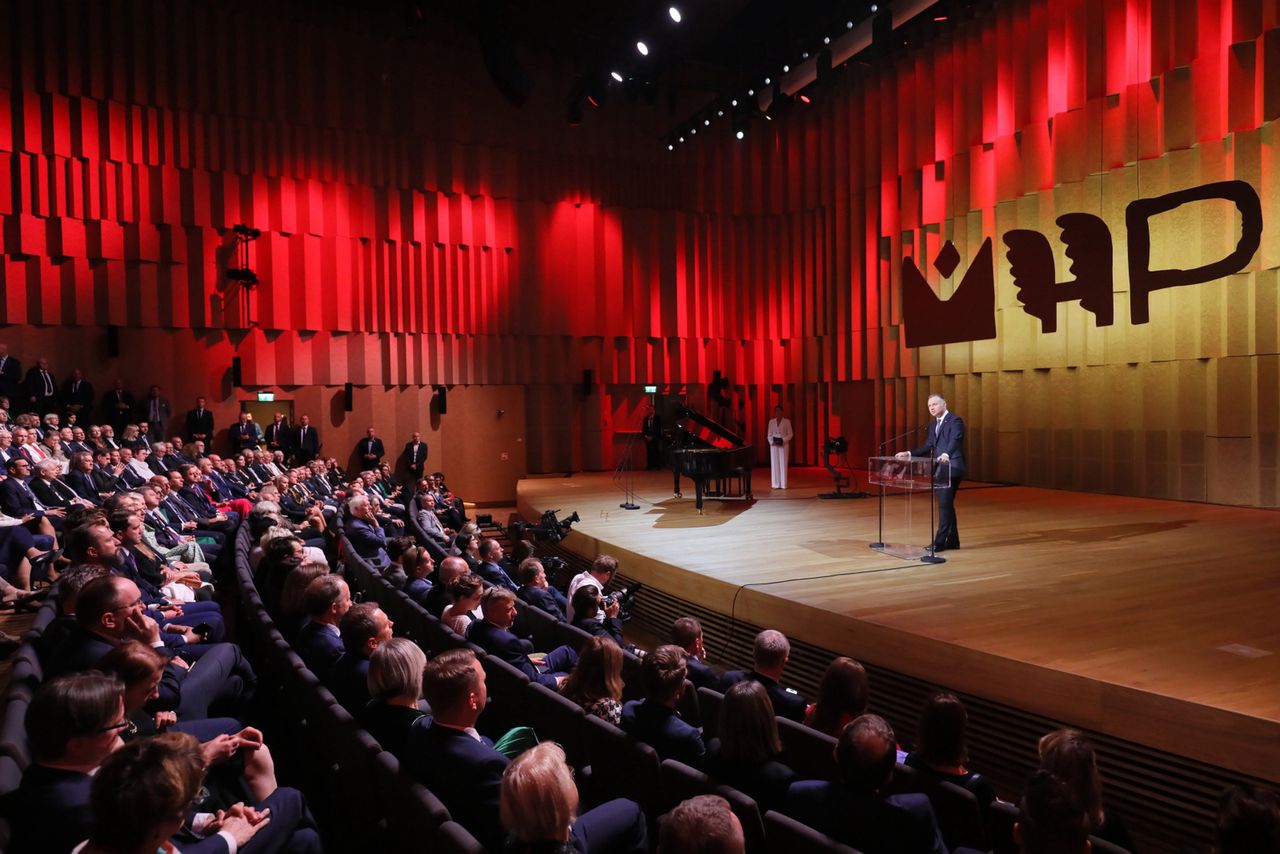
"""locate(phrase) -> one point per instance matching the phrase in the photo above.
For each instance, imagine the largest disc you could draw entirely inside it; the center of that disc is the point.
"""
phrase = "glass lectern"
(906, 486)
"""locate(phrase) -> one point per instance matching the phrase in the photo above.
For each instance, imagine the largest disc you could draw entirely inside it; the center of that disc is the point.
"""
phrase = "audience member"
(686, 633)
(363, 629)
(446, 754)
(770, 653)
(857, 810)
(842, 697)
(1050, 819)
(941, 751)
(493, 635)
(319, 642)
(395, 691)
(596, 682)
(465, 593)
(1067, 755)
(538, 807)
(595, 617)
(654, 720)
(746, 754)
(535, 589)
(1248, 821)
(701, 825)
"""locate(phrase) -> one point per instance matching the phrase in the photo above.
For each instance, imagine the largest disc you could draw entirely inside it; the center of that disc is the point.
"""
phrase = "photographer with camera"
(599, 576)
(535, 589)
(597, 616)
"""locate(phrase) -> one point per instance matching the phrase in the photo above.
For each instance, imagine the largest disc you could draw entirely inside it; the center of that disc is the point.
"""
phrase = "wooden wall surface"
(417, 230)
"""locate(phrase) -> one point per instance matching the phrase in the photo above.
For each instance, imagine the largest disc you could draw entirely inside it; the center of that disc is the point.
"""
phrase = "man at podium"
(946, 445)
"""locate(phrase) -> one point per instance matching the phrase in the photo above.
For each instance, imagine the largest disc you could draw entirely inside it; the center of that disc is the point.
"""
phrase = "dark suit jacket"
(495, 575)
(601, 626)
(547, 598)
(14, 498)
(664, 731)
(276, 435)
(349, 682)
(305, 446)
(200, 422)
(110, 413)
(82, 397)
(947, 439)
(703, 675)
(786, 703)
(83, 485)
(33, 386)
(319, 648)
(766, 782)
(11, 379)
(363, 447)
(243, 436)
(52, 493)
(49, 813)
(80, 650)
(369, 542)
(419, 590)
(898, 824)
(416, 468)
(501, 643)
(437, 599)
(464, 773)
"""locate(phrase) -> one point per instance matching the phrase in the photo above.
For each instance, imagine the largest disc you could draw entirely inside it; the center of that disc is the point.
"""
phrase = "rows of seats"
(622, 766)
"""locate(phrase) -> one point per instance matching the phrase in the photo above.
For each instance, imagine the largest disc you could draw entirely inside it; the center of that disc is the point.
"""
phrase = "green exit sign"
(266, 396)
(651, 389)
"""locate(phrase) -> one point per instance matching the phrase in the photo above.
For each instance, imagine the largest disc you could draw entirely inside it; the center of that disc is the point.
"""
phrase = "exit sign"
(266, 396)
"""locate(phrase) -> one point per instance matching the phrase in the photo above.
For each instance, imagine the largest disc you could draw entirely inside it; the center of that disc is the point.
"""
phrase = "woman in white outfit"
(779, 448)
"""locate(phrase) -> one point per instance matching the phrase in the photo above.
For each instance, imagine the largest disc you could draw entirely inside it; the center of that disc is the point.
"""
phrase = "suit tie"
(415, 454)
(48, 383)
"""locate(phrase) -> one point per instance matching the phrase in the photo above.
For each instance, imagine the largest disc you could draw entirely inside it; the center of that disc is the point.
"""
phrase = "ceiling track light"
(642, 48)
(616, 76)
(675, 14)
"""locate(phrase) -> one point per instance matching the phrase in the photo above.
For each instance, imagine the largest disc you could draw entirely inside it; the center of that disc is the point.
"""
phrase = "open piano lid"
(708, 432)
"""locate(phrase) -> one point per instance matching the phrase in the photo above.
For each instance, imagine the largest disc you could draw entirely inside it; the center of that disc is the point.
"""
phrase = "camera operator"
(597, 616)
(598, 576)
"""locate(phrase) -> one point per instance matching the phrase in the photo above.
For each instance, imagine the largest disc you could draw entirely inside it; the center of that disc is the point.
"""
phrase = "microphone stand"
(879, 544)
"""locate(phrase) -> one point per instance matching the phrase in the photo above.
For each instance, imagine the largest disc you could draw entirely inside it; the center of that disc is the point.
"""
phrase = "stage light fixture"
(805, 99)
(786, 68)
(719, 113)
(826, 39)
(751, 93)
(616, 76)
(670, 147)
(766, 81)
(642, 48)
(706, 122)
(740, 134)
(848, 25)
(733, 103)
(675, 14)
(692, 131)
(874, 8)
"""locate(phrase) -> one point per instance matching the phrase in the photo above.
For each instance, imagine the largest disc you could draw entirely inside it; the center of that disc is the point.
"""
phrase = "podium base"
(933, 559)
(878, 546)
(627, 505)
(843, 495)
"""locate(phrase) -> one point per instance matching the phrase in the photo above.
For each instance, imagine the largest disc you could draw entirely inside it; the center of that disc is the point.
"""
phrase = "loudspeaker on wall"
(113, 341)
(236, 376)
(348, 397)
(443, 399)
(588, 380)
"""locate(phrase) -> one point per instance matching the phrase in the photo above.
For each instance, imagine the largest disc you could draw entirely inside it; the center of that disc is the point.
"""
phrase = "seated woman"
(395, 686)
(746, 754)
(842, 696)
(596, 682)
(1067, 755)
(239, 763)
(595, 618)
(538, 803)
(941, 752)
(466, 591)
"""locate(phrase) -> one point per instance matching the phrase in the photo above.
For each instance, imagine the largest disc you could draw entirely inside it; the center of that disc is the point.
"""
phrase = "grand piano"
(718, 460)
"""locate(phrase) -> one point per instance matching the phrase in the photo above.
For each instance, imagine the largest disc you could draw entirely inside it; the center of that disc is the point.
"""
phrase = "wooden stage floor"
(1153, 621)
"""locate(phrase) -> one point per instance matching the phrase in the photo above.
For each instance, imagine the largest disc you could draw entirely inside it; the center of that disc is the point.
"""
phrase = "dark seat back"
(809, 752)
(785, 835)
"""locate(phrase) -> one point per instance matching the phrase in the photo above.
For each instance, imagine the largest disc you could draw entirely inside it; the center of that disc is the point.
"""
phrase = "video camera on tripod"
(549, 528)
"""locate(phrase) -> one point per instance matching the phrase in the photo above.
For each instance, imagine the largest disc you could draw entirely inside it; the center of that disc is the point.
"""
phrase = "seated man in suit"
(73, 723)
(596, 617)
(858, 810)
(365, 532)
(446, 754)
(686, 633)
(770, 653)
(654, 720)
(535, 589)
(706, 818)
(319, 642)
(51, 491)
(439, 597)
(80, 477)
(493, 635)
(109, 611)
(437, 535)
(491, 568)
(363, 628)
(16, 500)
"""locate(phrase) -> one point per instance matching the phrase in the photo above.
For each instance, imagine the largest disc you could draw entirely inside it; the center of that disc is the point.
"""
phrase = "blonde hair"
(539, 798)
(395, 669)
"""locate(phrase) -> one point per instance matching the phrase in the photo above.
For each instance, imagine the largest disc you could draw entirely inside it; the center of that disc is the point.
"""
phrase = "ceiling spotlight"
(740, 134)
(826, 39)
(719, 113)
(848, 25)
(766, 81)
(675, 14)
(874, 8)
(670, 147)
(643, 48)
(785, 69)
(751, 92)
(805, 99)
(682, 139)
(616, 76)
(733, 103)
(804, 55)
(692, 131)
(706, 122)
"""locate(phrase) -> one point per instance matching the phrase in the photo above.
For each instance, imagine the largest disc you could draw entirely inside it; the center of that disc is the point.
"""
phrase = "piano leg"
(698, 488)
(675, 483)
